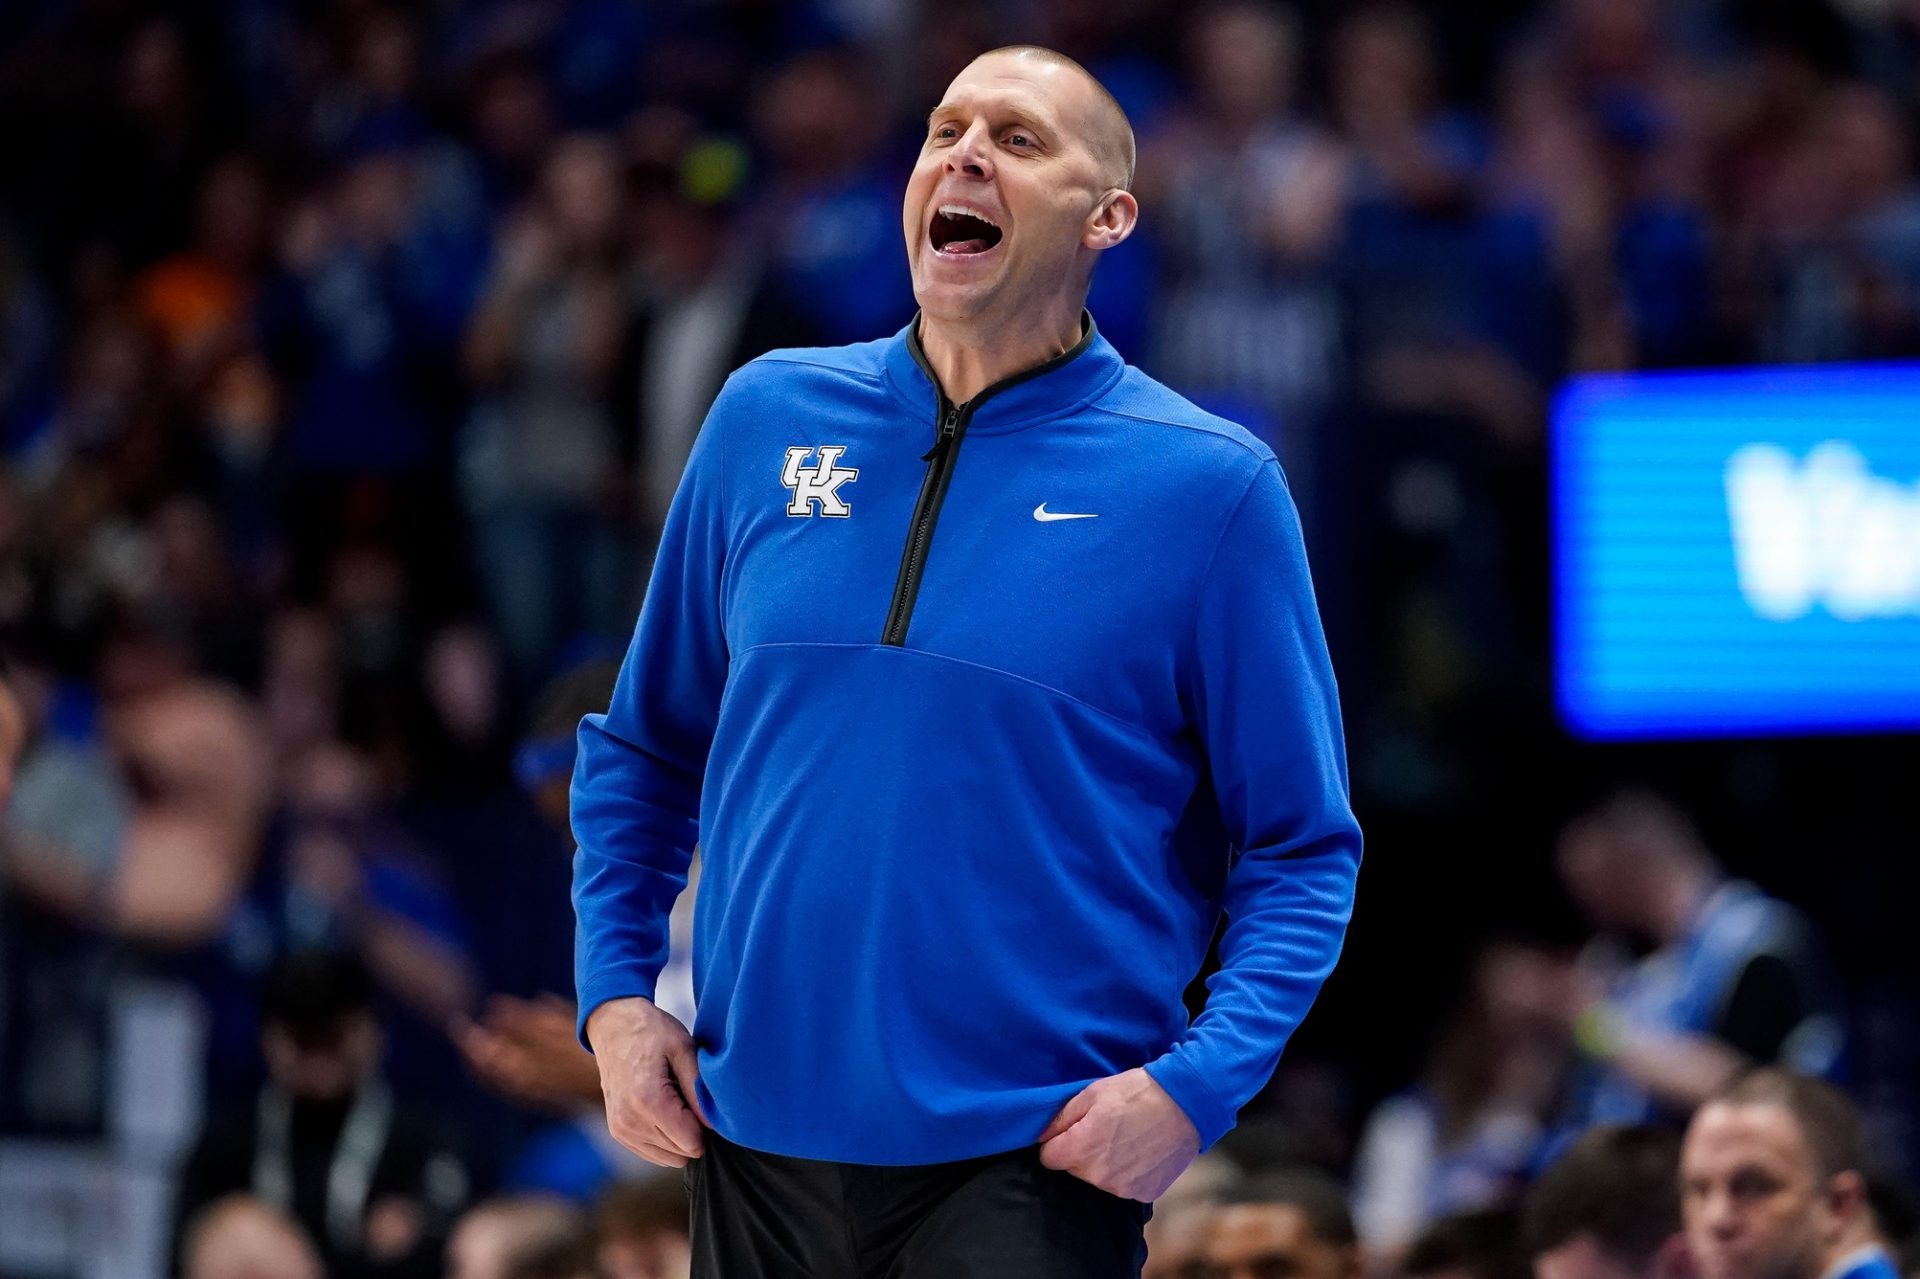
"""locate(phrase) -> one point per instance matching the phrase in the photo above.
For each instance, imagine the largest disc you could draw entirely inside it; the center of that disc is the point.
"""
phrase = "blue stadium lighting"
(1738, 553)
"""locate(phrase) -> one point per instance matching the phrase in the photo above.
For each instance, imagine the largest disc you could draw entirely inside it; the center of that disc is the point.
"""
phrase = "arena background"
(349, 350)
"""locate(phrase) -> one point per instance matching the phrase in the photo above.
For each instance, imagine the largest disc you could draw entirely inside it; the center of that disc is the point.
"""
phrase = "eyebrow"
(1021, 113)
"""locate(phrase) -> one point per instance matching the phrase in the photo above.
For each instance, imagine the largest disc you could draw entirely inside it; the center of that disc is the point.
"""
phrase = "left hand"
(1123, 1134)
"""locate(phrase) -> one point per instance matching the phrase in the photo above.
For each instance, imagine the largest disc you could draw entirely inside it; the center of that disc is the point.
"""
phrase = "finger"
(481, 1049)
(637, 1131)
(685, 1065)
(500, 1007)
(1060, 1153)
(655, 1153)
(663, 1155)
(1069, 1114)
(680, 1130)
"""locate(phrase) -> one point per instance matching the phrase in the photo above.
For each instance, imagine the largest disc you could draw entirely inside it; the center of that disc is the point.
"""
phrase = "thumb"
(1069, 1114)
(684, 1064)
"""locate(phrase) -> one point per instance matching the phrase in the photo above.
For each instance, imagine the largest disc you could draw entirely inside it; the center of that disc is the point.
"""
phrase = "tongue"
(967, 246)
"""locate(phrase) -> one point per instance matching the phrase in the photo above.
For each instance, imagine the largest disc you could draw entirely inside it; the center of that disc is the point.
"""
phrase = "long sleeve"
(1261, 692)
(636, 781)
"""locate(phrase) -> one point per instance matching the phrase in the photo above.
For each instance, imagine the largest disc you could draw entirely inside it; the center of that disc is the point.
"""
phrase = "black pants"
(762, 1216)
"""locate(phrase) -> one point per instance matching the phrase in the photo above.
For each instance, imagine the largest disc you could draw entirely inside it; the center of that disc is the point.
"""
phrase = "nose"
(970, 154)
(1722, 1216)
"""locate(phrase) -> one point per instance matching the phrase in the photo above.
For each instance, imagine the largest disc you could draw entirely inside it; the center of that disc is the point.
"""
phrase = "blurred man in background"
(325, 1141)
(1734, 977)
(1176, 1234)
(239, 1237)
(1467, 1245)
(1293, 1223)
(1608, 1209)
(498, 1238)
(640, 1229)
(1772, 1186)
(526, 1049)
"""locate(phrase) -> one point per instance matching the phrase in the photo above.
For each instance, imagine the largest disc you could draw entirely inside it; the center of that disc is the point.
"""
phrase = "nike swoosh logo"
(1042, 514)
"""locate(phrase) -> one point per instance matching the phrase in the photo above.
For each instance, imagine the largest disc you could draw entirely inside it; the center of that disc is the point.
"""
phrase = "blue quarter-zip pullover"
(981, 715)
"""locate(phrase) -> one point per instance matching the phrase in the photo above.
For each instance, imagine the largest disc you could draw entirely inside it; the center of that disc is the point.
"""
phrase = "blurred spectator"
(1182, 1220)
(1468, 1245)
(1466, 1136)
(1609, 1208)
(702, 303)
(641, 1229)
(829, 211)
(348, 877)
(1246, 195)
(528, 1049)
(240, 1237)
(1836, 234)
(326, 1140)
(551, 511)
(562, 1259)
(1771, 1184)
(342, 328)
(149, 826)
(200, 299)
(1408, 237)
(1734, 977)
(497, 1237)
(1283, 1223)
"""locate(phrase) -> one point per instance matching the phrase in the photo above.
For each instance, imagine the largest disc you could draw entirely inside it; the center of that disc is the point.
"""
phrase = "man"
(1481, 1244)
(1607, 1209)
(494, 1236)
(1735, 979)
(1771, 1184)
(1176, 1235)
(326, 1142)
(967, 656)
(1293, 1223)
(239, 1237)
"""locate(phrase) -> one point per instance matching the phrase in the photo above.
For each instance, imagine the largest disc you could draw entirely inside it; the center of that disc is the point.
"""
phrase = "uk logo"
(818, 485)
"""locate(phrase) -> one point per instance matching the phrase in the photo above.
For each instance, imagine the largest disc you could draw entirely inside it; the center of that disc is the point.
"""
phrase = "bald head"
(1106, 128)
(240, 1237)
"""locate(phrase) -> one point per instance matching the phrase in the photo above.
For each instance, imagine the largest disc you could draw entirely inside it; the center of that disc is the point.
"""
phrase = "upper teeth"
(961, 211)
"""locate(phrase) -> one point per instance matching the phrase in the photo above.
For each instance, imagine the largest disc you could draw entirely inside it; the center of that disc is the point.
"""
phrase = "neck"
(1853, 1247)
(968, 356)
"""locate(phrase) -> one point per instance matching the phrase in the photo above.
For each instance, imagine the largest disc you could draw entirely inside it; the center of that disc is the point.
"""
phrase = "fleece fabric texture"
(949, 883)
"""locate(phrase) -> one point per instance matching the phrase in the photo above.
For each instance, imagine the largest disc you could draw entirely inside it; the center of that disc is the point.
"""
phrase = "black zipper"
(950, 426)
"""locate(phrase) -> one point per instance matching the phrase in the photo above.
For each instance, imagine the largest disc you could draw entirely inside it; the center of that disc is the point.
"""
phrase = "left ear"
(1111, 220)
(1846, 1198)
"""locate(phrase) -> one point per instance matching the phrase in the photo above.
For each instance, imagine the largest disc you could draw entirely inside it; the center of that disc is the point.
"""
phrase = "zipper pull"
(943, 439)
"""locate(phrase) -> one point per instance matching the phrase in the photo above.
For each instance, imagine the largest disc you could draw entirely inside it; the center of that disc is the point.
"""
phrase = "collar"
(1069, 381)
(1868, 1258)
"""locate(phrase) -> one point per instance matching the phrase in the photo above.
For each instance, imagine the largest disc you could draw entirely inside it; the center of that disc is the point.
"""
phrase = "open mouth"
(959, 232)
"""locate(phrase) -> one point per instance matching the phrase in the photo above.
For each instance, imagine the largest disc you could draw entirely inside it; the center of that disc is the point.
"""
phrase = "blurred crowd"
(349, 354)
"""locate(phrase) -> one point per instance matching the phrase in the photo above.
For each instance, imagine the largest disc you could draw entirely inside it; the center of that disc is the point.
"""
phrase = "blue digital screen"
(1738, 553)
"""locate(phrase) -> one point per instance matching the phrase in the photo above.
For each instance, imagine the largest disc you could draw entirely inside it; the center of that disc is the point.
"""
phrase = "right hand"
(526, 1049)
(647, 1072)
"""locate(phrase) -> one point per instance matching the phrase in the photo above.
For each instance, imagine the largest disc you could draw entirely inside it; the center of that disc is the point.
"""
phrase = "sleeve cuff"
(615, 983)
(1192, 1094)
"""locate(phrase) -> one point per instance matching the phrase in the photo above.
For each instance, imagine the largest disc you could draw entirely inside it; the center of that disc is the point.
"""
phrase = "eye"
(945, 131)
(1019, 140)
